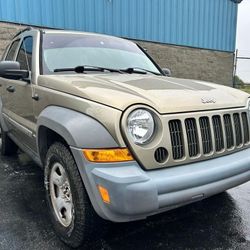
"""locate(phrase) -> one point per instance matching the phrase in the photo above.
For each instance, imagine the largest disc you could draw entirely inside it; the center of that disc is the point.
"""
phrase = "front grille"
(237, 127)
(218, 133)
(207, 134)
(176, 135)
(245, 127)
(229, 131)
(192, 137)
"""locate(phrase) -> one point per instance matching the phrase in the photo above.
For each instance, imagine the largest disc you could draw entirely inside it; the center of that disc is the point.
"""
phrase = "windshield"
(71, 50)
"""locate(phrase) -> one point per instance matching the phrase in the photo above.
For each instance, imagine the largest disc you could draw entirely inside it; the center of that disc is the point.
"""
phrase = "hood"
(165, 94)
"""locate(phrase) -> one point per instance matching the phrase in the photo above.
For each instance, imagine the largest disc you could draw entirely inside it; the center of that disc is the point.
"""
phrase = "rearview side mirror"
(11, 70)
(166, 71)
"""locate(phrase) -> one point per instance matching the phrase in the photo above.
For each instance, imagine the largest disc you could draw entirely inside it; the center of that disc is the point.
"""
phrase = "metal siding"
(207, 24)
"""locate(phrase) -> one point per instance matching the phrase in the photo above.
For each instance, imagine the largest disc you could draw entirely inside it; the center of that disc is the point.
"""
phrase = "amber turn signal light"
(108, 155)
(104, 194)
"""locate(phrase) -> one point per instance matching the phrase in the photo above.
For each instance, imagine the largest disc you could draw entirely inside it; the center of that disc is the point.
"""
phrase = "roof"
(61, 31)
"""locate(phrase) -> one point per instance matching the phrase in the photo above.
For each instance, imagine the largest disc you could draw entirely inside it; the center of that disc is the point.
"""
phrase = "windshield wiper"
(82, 69)
(139, 70)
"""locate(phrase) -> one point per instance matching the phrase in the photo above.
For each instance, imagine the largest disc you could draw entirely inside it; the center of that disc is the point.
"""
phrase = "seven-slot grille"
(229, 130)
(208, 134)
(192, 137)
(237, 125)
(176, 135)
(245, 126)
(218, 133)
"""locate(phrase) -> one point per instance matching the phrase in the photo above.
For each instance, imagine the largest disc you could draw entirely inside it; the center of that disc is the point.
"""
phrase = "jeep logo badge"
(208, 100)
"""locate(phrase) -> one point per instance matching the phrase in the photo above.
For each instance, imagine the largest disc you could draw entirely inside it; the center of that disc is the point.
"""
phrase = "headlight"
(140, 126)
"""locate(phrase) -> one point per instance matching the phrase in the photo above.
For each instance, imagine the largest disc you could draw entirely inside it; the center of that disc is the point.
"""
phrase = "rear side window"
(12, 51)
(24, 56)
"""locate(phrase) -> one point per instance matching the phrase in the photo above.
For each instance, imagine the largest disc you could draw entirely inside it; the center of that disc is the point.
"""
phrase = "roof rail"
(21, 31)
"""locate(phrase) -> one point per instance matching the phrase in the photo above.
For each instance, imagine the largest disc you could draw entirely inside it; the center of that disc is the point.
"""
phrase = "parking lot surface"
(221, 222)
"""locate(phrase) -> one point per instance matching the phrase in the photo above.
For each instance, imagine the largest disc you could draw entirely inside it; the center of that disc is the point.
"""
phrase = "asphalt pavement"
(220, 222)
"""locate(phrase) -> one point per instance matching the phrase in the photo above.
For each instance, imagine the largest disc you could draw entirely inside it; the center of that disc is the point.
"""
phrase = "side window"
(24, 56)
(12, 50)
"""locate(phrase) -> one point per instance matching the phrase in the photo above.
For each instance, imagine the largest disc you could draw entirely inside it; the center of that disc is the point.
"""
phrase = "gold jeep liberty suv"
(118, 138)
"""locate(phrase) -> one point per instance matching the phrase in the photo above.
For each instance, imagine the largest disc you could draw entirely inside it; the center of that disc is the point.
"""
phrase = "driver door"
(18, 106)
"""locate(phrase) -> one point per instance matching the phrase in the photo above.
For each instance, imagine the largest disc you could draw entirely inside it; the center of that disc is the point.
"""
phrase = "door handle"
(35, 97)
(11, 89)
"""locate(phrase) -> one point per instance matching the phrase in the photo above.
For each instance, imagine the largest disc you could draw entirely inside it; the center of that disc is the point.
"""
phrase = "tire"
(80, 228)
(8, 146)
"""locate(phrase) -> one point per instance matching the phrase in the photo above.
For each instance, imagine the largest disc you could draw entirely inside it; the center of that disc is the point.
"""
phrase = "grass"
(245, 88)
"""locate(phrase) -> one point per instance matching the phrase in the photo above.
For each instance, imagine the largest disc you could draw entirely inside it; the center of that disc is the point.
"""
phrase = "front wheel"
(72, 215)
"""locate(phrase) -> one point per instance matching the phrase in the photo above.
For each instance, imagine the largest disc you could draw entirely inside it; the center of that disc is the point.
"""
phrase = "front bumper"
(136, 194)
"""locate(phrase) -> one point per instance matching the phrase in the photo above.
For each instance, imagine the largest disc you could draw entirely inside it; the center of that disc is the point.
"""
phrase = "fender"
(77, 129)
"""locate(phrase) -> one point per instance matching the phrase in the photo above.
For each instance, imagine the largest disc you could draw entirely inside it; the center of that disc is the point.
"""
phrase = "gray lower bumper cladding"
(136, 194)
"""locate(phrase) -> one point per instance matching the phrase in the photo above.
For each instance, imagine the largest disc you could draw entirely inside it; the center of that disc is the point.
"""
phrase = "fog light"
(104, 194)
